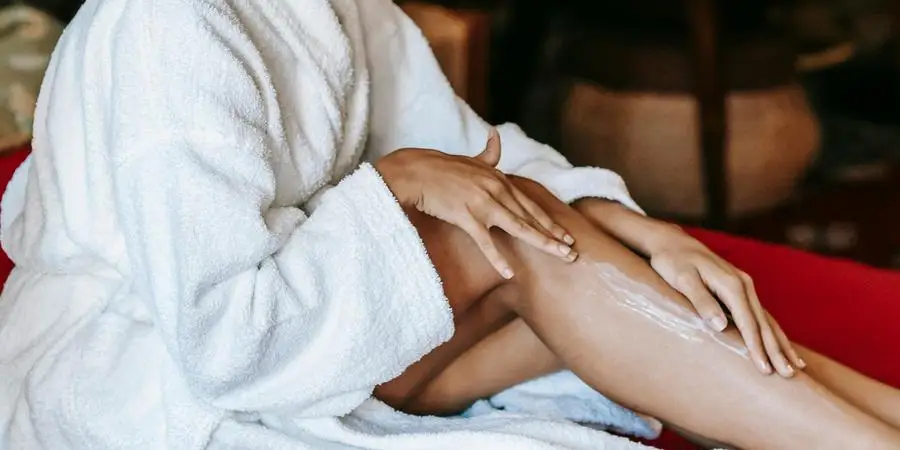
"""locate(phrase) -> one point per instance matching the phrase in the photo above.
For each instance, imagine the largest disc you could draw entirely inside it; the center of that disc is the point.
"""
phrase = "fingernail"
(766, 368)
(572, 257)
(507, 273)
(801, 363)
(564, 250)
(790, 370)
(569, 239)
(718, 323)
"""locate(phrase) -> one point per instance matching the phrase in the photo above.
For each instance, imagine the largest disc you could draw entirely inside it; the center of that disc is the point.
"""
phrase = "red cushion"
(842, 309)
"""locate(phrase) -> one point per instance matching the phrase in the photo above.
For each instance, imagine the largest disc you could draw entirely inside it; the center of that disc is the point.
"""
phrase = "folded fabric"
(564, 396)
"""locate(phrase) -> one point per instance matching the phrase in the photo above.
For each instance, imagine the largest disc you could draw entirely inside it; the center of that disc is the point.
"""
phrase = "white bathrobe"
(186, 275)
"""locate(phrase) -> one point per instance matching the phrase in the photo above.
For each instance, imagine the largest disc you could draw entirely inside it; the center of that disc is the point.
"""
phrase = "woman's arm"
(261, 308)
(643, 234)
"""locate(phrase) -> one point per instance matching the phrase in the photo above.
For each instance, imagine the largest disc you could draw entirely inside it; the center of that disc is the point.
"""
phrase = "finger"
(691, 286)
(544, 219)
(773, 348)
(502, 218)
(507, 198)
(731, 291)
(482, 237)
(786, 343)
(770, 340)
(491, 153)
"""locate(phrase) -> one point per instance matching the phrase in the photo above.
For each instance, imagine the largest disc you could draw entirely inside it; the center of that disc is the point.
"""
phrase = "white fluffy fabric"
(564, 396)
(186, 277)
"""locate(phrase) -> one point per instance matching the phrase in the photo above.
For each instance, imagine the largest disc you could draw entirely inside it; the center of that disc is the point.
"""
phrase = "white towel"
(564, 396)
(175, 289)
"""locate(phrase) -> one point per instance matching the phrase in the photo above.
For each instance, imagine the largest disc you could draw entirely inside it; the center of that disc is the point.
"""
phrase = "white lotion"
(672, 316)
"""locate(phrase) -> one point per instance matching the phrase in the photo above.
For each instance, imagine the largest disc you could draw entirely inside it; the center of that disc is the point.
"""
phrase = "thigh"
(476, 293)
(469, 282)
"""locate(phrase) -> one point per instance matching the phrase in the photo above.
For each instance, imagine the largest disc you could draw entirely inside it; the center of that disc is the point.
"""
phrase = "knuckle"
(734, 284)
(479, 232)
(482, 240)
(487, 247)
(481, 200)
(521, 226)
(747, 325)
(770, 340)
(684, 280)
(664, 258)
(494, 186)
(754, 342)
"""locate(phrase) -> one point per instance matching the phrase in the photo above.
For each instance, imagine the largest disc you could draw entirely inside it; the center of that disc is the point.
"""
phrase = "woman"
(187, 277)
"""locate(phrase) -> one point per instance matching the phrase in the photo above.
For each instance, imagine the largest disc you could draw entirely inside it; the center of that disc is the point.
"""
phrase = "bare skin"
(554, 314)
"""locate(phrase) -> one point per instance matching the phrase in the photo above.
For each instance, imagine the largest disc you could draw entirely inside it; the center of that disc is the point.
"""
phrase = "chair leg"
(710, 91)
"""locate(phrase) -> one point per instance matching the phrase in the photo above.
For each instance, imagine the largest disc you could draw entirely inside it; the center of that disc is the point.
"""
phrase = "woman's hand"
(473, 195)
(702, 277)
(698, 273)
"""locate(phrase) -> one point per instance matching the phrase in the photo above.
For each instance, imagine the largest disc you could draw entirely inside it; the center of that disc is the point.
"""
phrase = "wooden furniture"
(710, 92)
(703, 21)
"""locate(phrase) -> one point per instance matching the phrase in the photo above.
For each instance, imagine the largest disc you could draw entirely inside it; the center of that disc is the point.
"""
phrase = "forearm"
(642, 234)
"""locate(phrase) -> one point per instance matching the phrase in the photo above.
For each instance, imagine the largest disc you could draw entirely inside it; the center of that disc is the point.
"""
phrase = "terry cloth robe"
(204, 259)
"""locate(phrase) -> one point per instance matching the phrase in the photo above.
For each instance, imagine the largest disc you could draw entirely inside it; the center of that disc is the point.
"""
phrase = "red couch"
(843, 309)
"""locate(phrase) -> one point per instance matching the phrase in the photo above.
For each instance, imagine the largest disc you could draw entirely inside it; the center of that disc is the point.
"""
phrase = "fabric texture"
(564, 396)
(204, 259)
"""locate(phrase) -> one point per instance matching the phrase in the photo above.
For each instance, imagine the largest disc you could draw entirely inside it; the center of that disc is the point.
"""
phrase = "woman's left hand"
(698, 273)
(702, 277)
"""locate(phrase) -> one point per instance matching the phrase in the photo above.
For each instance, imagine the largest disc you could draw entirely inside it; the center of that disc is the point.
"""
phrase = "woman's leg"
(877, 399)
(505, 358)
(474, 375)
(469, 280)
(601, 318)
(453, 389)
(523, 356)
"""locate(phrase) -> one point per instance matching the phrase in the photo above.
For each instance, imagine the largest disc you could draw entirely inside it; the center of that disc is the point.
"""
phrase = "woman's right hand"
(475, 196)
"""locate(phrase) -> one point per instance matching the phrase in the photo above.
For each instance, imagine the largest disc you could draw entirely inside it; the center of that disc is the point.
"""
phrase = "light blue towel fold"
(564, 396)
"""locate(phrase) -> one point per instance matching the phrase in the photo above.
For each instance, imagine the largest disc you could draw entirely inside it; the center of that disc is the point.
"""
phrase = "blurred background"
(773, 119)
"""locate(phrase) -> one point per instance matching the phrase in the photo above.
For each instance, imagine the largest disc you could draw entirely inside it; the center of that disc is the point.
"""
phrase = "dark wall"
(64, 10)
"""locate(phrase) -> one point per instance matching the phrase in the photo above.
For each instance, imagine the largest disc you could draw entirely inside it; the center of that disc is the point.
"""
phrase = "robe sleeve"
(415, 106)
(262, 308)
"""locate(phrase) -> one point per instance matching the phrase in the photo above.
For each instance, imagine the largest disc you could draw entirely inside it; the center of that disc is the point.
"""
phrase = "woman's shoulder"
(177, 25)
(151, 27)
(137, 38)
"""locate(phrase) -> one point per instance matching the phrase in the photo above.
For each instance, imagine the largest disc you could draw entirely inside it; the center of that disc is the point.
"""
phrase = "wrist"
(663, 235)
(393, 174)
(641, 233)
